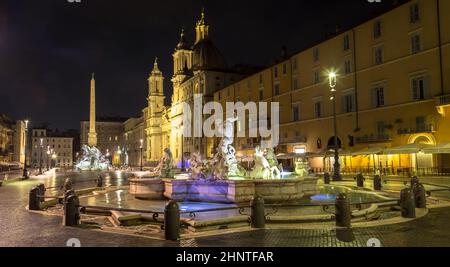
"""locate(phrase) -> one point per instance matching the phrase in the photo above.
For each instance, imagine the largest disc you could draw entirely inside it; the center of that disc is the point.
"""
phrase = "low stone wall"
(228, 191)
(209, 191)
(147, 188)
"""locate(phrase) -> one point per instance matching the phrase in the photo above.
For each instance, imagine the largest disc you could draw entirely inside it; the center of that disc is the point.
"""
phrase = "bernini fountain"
(223, 180)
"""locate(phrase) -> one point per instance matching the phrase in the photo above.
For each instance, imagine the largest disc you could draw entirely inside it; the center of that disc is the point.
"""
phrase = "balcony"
(293, 140)
(417, 130)
(441, 103)
(379, 138)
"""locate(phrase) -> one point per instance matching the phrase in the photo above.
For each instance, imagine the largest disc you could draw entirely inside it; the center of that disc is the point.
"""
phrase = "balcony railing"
(372, 138)
(443, 100)
(293, 140)
(427, 129)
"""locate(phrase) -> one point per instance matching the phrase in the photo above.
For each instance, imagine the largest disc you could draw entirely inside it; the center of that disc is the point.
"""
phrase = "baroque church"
(198, 68)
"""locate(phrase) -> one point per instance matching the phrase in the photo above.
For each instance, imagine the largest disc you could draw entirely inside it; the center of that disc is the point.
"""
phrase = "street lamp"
(142, 147)
(48, 158)
(53, 157)
(332, 78)
(25, 170)
(41, 142)
(119, 152)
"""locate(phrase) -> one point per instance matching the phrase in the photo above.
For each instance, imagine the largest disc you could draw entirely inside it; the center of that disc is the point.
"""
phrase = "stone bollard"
(71, 211)
(100, 181)
(258, 214)
(68, 185)
(326, 178)
(377, 183)
(414, 181)
(42, 190)
(360, 180)
(33, 199)
(420, 196)
(407, 203)
(343, 212)
(172, 221)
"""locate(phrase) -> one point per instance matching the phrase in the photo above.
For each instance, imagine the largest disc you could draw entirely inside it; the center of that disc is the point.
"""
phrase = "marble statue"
(272, 159)
(301, 167)
(224, 163)
(263, 169)
(91, 160)
(197, 168)
(165, 168)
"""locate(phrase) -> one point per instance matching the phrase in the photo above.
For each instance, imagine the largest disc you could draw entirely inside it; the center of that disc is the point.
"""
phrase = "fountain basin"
(147, 188)
(226, 191)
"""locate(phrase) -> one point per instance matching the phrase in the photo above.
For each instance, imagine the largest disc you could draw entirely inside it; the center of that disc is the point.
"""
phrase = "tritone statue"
(165, 168)
(263, 169)
(301, 167)
(225, 164)
(91, 160)
(198, 168)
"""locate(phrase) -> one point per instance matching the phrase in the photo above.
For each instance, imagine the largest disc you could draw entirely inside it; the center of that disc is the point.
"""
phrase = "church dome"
(206, 56)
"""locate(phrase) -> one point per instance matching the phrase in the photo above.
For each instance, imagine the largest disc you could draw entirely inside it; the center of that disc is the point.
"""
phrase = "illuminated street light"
(25, 170)
(142, 147)
(332, 78)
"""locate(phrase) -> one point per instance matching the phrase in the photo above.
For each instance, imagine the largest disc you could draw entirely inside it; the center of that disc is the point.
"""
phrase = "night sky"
(49, 48)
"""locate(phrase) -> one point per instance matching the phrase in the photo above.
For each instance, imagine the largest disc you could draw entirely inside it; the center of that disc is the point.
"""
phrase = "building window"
(378, 55)
(348, 67)
(296, 86)
(295, 63)
(348, 103)
(316, 54)
(414, 16)
(416, 44)
(318, 109)
(377, 29)
(378, 96)
(277, 89)
(346, 42)
(381, 128)
(295, 113)
(316, 77)
(284, 69)
(261, 94)
(419, 88)
(261, 80)
(275, 72)
(420, 124)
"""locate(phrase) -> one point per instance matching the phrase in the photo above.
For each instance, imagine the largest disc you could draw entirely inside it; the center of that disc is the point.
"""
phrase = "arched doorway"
(422, 161)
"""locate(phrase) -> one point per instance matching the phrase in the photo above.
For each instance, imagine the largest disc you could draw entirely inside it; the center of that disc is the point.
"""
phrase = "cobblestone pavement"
(18, 227)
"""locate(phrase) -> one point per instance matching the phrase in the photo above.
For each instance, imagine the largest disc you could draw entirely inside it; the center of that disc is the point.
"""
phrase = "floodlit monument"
(91, 157)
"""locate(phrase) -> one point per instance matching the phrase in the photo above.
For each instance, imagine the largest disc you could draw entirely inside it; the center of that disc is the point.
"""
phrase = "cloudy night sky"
(49, 48)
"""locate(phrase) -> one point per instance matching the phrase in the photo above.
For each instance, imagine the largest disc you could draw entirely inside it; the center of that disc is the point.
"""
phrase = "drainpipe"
(440, 45)
(355, 79)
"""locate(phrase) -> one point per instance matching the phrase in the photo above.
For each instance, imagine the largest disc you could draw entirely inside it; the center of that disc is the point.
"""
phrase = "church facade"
(198, 68)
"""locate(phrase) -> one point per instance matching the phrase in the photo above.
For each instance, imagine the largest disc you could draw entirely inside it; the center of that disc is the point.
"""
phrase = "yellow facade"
(389, 90)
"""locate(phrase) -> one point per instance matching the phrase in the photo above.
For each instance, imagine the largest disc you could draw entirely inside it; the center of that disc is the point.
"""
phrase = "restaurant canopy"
(439, 149)
(407, 149)
(368, 151)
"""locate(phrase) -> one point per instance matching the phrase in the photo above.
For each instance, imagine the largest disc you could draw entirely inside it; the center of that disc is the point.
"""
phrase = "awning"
(407, 149)
(369, 151)
(439, 149)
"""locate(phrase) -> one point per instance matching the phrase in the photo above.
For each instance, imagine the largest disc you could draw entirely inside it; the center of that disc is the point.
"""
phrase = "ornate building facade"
(198, 69)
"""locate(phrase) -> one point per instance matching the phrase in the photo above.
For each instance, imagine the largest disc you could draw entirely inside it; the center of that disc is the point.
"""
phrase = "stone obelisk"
(92, 135)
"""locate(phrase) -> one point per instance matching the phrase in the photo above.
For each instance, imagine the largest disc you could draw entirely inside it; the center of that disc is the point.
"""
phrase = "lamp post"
(41, 143)
(119, 152)
(25, 170)
(48, 158)
(53, 158)
(332, 78)
(142, 147)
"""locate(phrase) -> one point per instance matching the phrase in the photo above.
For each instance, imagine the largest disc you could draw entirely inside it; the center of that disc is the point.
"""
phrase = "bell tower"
(202, 28)
(155, 109)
